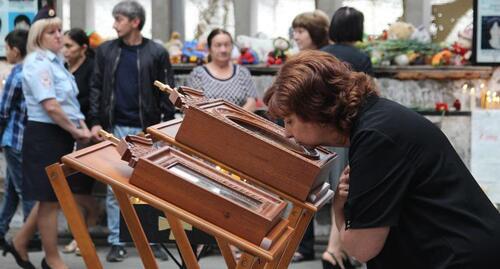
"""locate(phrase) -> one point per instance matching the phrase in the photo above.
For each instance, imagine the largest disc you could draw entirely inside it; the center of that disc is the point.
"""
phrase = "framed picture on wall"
(15, 14)
(486, 38)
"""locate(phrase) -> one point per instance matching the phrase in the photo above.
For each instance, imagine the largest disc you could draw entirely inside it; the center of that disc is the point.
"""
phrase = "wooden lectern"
(253, 148)
(179, 178)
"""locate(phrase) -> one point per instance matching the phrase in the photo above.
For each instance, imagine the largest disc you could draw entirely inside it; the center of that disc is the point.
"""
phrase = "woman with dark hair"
(79, 59)
(346, 29)
(220, 78)
(310, 30)
(22, 22)
(406, 200)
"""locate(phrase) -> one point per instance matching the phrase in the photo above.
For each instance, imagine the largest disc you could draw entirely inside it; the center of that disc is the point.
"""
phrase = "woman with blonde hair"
(54, 123)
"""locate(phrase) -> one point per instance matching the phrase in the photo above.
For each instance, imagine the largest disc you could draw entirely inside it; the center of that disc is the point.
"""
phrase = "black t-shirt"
(83, 76)
(127, 88)
(406, 175)
(359, 61)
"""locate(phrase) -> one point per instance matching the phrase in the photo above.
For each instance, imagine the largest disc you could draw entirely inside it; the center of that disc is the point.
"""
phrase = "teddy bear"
(174, 47)
(279, 55)
(247, 54)
(400, 31)
(462, 47)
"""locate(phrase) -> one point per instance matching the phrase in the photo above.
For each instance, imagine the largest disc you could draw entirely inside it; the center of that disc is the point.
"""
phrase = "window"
(201, 16)
(103, 20)
(274, 17)
(378, 13)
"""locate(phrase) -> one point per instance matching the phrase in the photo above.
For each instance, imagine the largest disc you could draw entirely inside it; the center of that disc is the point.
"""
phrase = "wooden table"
(102, 162)
(302, 211)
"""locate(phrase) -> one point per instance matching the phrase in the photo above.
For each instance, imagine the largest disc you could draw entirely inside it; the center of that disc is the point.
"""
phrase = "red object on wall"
(441, 106)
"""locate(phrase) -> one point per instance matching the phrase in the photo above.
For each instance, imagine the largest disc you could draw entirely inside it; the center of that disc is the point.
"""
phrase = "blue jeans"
(112, 207)
(13, 190)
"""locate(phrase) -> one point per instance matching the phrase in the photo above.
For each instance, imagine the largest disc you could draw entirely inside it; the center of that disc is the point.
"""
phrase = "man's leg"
(117, 252)
(12, 192)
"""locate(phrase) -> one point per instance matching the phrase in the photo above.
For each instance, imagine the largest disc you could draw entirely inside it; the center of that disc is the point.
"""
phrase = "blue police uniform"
(45, 142)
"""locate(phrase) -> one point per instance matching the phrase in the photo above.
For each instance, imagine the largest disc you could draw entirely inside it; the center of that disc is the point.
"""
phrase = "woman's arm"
(56, 113)
(363, 244)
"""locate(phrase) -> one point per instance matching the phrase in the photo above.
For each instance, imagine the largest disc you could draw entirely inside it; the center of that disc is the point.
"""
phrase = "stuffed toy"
(174, 47)
(421, 34)
(279, 55)
(462, 47)
(261, 46)
(400, 31)
(247, 55)
(190, 54)
(442, 58)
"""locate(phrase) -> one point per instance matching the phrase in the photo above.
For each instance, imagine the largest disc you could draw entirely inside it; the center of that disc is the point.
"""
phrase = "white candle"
(472, 99)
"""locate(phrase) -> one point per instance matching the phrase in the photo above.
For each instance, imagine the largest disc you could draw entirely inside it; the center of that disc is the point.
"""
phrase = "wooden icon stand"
(211, 128)
(102, 162)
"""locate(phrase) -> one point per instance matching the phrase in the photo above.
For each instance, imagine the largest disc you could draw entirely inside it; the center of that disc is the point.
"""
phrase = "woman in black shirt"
(345, 30)
(80, 62)
(406, 200)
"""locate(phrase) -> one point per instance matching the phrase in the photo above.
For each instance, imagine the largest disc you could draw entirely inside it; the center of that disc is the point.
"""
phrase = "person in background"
(406, 200)
(346, 29)
(54, 123)
(22, 22)
(220, 78)
(12, 123)
(80, 62)
(123, 98)
(310, 32)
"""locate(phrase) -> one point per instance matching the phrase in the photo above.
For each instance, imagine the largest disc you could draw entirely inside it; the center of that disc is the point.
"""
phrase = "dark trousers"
(306, 246)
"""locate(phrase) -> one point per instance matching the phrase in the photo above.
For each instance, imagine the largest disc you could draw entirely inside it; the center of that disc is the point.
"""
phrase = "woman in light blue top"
(54, 123)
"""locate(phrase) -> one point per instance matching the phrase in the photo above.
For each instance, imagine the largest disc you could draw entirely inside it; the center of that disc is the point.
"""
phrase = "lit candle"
(472, 98)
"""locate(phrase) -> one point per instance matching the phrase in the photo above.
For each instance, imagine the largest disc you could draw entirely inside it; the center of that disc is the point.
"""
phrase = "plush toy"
(248, 56)
(442, 58)
(190, 54)
(279, 55)
(462, 47)
(421, 34)
(174, 47)
(261, 46)
(400, 31)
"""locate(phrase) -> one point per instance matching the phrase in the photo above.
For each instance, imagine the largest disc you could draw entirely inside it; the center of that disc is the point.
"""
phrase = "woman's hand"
(342, 190)
(82, 135)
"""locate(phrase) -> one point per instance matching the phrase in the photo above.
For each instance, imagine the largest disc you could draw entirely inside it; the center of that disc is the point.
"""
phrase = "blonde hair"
(36, 32)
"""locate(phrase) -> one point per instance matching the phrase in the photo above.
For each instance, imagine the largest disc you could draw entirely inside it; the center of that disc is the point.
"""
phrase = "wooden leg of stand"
(135, 228)
(246, 261)
(275, 262)
(300, 229)
(73, 216)
(293, 220)
(226, 253)
(182, 242)
(259, 263)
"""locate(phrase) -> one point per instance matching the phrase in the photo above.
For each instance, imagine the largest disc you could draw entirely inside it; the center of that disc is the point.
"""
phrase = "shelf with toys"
(397, 72)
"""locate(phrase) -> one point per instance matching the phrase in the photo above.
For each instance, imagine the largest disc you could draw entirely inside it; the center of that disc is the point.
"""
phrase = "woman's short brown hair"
(318, 87)
(316, 23)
